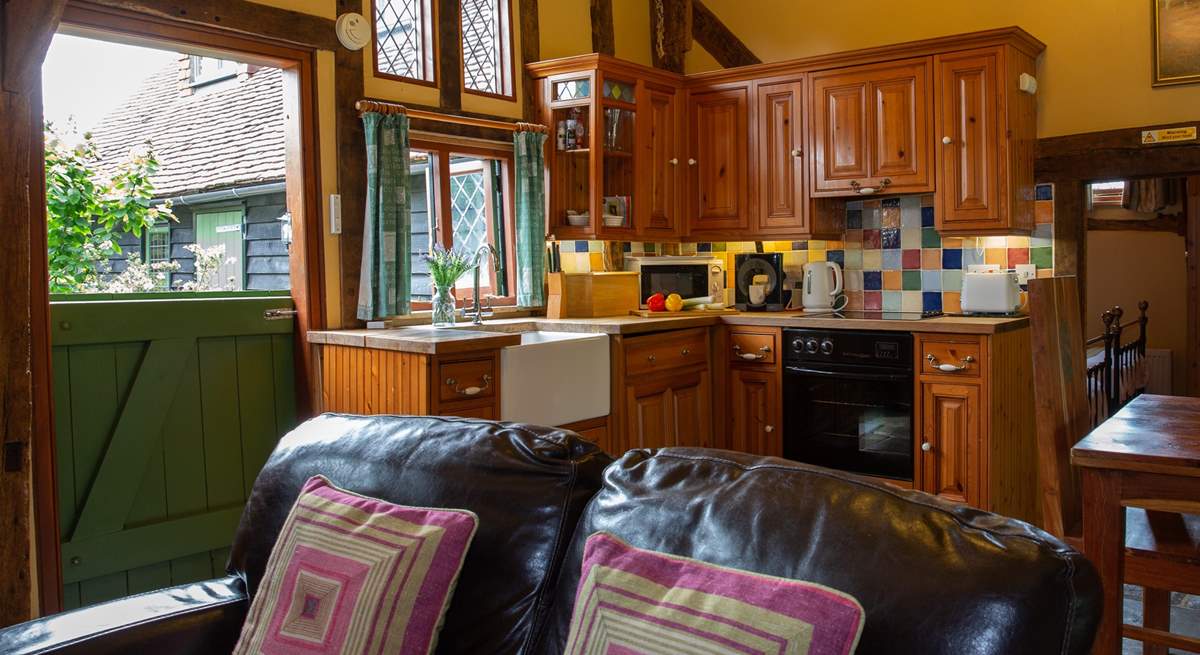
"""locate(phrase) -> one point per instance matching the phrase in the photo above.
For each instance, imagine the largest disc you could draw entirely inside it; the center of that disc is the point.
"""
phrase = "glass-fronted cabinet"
(597, 150)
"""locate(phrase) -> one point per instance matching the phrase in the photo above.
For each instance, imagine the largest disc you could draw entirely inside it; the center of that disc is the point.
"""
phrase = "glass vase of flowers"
(445, 267)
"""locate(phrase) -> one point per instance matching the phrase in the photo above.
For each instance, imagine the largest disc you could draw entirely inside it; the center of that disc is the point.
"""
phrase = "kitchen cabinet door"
(840, 151)
(949, 448)
(871, 129)
(691, 408)
(782, 202)
(755, 415)
(650, 416)
(719, 160)
(664, 159)
(968, 127)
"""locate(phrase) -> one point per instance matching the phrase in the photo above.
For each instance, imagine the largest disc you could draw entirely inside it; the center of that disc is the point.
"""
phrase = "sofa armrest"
(202, 617)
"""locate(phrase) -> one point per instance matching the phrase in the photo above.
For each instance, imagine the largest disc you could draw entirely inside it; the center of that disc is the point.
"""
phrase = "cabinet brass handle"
(926, 447)
(651, 358)
(761, 354)
(796, 152)
(470, 391)
(685, 352)
(947, 140)
(949, 368)
(769, 428)
(672, 161)
(691, 162)
(868, 190)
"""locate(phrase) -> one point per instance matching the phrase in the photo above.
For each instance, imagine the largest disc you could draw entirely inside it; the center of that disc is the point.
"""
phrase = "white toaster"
(990, 293)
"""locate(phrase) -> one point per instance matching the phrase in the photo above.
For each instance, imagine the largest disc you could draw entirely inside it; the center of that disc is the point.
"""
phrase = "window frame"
(194, 64)
(1119, 202)
(429, 50)
(441, 152)
(158, 228)
(507, 70)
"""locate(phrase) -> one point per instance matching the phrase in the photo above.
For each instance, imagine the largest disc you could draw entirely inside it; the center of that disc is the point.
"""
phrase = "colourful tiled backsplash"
(892, 256)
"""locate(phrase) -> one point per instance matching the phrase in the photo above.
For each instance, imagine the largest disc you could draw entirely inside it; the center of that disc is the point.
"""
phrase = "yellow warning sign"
(1169, 135)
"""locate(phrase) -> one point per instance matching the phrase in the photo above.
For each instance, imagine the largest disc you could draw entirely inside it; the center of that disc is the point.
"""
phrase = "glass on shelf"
(618, 179)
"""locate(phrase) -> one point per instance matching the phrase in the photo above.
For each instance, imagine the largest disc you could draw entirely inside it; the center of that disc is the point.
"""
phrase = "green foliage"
(87, 214)
(446, 266)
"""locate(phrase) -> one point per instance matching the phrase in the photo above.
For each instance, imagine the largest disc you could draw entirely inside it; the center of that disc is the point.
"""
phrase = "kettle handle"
(837, 275)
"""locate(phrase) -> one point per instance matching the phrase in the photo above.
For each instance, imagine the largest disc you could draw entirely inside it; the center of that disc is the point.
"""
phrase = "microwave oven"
(690, 277)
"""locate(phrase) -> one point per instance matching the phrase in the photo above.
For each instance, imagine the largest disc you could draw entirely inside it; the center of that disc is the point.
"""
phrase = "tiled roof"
(231, 134)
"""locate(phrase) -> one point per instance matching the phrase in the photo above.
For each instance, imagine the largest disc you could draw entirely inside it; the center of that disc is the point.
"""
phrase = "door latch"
(279, 314)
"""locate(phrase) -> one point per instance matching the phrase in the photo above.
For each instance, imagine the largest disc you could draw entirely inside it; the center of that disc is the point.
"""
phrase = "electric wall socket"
(335, 213)
(983, 268)
(1025, 272)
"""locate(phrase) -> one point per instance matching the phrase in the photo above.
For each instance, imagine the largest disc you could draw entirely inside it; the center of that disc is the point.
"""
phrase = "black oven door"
(687, 280)
(851, 418)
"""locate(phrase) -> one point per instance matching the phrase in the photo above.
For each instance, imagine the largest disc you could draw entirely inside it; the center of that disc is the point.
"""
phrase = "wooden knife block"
(591, 295)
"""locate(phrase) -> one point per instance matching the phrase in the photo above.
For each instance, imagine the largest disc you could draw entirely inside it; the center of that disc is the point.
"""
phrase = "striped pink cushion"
(638, 602)
(351, 574)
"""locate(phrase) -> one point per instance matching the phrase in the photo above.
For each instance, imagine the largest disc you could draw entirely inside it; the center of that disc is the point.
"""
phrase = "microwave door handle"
(867, 377)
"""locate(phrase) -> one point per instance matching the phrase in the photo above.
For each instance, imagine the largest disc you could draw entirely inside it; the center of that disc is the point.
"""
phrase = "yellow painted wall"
(565, 28)
(1095, 74)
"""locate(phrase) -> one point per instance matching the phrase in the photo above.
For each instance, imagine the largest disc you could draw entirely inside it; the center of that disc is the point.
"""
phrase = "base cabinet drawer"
(666, 351)
(748, 347)
(465, 380)
(951, 356)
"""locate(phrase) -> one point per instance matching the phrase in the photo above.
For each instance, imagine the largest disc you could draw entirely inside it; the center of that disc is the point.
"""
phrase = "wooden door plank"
(144, 320)
(221, 420)
(284, 370)
(256, 403)
(110, 555)
(149, 502)
(93, 412)
(64, 446)
(138, 434)
(183, 462)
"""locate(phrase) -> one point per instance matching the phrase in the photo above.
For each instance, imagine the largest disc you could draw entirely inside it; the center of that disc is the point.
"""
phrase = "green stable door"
(224, 228)
(165, 411)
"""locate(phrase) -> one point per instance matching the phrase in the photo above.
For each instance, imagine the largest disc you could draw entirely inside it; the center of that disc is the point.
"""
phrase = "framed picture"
(1176, 56)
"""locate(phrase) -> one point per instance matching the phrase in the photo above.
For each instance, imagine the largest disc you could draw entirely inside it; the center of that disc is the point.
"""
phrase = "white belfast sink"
(554, 378)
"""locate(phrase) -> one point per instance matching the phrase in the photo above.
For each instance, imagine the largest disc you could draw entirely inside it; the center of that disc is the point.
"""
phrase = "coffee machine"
(759, 280)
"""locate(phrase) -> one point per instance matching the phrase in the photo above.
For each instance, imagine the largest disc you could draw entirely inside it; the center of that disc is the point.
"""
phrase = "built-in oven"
(690, 277)
(848, 401)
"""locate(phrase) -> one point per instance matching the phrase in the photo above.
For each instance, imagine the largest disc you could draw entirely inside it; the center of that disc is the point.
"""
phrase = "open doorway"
(182, 226)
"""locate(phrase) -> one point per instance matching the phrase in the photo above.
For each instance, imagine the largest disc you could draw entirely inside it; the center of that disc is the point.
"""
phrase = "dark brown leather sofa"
(935, 578)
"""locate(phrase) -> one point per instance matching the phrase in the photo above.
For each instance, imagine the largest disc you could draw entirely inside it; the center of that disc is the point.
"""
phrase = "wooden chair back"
(1060, 398)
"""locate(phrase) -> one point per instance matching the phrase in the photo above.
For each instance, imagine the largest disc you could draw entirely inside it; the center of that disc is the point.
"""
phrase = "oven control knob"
(810, 346)
(798, 345)
(827, 347)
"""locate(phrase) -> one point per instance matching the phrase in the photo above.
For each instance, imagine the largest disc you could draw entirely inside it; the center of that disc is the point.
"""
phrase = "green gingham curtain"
(383, 288)
(530, 219)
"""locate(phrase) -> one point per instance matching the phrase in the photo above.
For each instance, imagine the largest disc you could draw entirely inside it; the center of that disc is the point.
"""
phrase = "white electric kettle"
(820, 289)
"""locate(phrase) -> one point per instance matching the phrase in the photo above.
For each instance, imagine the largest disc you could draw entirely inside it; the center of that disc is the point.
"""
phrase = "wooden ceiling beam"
(603, 40)
(530, 52)
(719, 40)
(670, 33)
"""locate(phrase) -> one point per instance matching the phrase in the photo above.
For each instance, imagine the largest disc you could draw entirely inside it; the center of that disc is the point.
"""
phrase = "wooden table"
(1146, 455)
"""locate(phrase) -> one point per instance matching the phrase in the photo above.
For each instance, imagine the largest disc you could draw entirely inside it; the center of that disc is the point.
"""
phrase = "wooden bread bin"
(591, 295)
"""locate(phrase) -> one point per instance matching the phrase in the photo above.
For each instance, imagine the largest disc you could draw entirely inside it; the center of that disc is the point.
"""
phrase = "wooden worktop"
(501, 332)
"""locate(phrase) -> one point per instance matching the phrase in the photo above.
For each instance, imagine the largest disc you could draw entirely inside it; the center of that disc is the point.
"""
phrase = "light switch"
(1025, 272)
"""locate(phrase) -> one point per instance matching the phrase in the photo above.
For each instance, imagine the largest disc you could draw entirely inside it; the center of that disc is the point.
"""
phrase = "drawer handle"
(949, 368)
(685, 352)
(769, 428)
(470, 391)
(673, 161)
(761, 354)
(651, 358)
(868, 190)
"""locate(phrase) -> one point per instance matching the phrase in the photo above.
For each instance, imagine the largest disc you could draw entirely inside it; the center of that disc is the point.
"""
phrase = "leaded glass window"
(404, 39)
(486, 47)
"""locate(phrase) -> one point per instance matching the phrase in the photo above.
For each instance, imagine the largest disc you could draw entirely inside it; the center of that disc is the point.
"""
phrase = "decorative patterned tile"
(872, 260)
(872, 280)
(911, 237)
(596, 261)
(873, 300)
(817, 244)
(627, 247)
(836, 256)
(951, 302)
(1017, 256)
(871, 218)
(1044, 191)
(1043, 211)
(581, 246)
(911, 301)
(910, 259)
(952, 242)
(891, 260)
(997, 256)
(927, 217)
(1042, 257)
(854, 300)
(890, 237)
(890, 217)
(853, 280)
(910, 211)
(854, 259)
(893, 280)
(853, 238)
(854, 219)
(1017, 242)
(952, 280)
(719, 246)
(872, 204)
(854, 204)
(931, 301)
(889, 202)
(872, 239)
(928, 200)
(892, 301)
(595, 246)
(931, 280)
(930, 238)
(911, 280)
(931, 259)
(995, 242)
(799, 245)
(1045, 272)
(816, 255)
(951, 258)
(971, 257)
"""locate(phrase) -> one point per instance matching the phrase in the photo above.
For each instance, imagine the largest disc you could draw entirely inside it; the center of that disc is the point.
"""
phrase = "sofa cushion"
(351, 574)
(634, 600)
(934, 577)
(526, 484)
